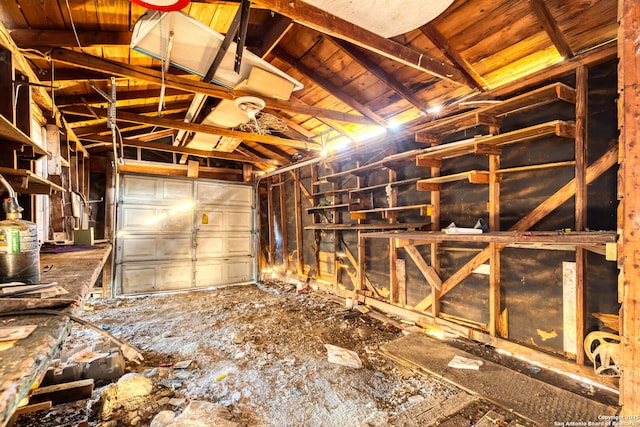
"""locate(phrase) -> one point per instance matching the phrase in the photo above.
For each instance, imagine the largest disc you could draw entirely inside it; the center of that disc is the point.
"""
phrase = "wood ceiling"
(356, 83)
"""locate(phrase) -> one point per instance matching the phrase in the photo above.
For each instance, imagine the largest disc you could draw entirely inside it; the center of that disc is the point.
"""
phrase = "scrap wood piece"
(9, 335)
(63, 393)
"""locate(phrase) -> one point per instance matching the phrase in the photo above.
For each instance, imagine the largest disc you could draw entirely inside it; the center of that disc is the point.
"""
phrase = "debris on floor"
(254, 355)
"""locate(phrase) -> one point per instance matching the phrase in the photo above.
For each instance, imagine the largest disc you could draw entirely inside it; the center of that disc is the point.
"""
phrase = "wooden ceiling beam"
(94, 63)
(440, 41)
(82, 75)
(326, 23)
(551, 27)
(371, 66)
(121, 96)
(193, 127)
(105, 142)
(329, 86)
(65, 38)
(252, 147)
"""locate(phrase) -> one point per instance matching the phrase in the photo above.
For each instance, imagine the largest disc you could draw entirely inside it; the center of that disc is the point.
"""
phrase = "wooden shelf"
(327, 207)
(26, 182)
(473, 176)
(505, 237)
(491, 144)
(361, 227)
(492, 114)
(355, 191)
(332, 192)
(425, 210)
(18, 139)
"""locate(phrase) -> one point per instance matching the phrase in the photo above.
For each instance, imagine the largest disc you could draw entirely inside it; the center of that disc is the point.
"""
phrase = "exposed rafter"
(94, 63)
(551, 27)
(65, 38)
(329, 86)
(105, 143)
(326, 23)
(96, 99)
(371, 66)
(193, 127)
(454, 56)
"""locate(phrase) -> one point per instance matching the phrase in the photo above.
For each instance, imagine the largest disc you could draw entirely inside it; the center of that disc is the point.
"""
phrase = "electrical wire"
(73, 25)
(129, 352)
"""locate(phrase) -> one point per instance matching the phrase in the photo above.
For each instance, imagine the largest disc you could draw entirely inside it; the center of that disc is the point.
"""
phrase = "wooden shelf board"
(394, 226)
(393, 209)
(331, 192)
(9, 132)
(480, 144)
(483, 115)
(27, 182)
(473, 176)
(379, 186)
(506, 237)
(328, 207)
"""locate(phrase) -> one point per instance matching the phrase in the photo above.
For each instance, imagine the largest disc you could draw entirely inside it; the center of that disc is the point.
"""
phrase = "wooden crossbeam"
(596, 169)
(83, 60)
(427, 271)
(326, 23)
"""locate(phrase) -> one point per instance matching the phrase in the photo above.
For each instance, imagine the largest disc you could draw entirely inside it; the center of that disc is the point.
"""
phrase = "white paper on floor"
(460, 362)
(342, 356)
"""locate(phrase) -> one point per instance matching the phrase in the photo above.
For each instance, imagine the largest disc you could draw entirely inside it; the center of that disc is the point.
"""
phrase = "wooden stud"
(271, 222)
(582, 76)
(298, 210)
(494, 226)
(316, 233)
(193, 169)
(283, 222)
(629, 255)
(401, 277)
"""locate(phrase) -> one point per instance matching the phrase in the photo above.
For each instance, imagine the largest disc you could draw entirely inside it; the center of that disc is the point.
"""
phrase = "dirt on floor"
(258, 358)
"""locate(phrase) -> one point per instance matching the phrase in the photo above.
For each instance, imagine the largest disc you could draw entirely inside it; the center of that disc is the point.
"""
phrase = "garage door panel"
(210, 246)
(224, 195)
(239, 270)
(239, 220)
(168, 239)
(239, 245)
(210, 273)
(176, 191)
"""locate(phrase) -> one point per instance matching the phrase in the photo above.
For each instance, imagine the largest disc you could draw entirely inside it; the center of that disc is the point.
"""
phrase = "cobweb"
(263, 124)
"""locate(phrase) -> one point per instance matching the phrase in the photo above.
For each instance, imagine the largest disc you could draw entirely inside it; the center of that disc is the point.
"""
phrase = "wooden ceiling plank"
(26, 38)
(94, 63)
(193, 127)
(326, 23)
(276, 31)
(551, 27)
(329, 87)
(440, 41)
(392, 83)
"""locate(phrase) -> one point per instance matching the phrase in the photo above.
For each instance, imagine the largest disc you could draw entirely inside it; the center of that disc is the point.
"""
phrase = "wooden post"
(629, 256)
(271, 220)
(392, 195)
(298, 208)
(316, 233)
(582, 76)
(494, 225)
(435, 259)
(361, 262)
(283, 223)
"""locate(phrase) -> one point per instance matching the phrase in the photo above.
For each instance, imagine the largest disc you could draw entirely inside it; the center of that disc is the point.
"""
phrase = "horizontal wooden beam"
(104, 143)
(25, 38)
(326, 23)
(83, 60)
(210, 130)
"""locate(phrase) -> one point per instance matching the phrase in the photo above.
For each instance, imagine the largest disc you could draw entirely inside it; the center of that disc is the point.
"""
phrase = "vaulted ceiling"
(357, 85)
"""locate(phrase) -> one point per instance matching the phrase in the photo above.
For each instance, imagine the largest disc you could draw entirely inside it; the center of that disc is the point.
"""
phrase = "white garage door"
(179, 234)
